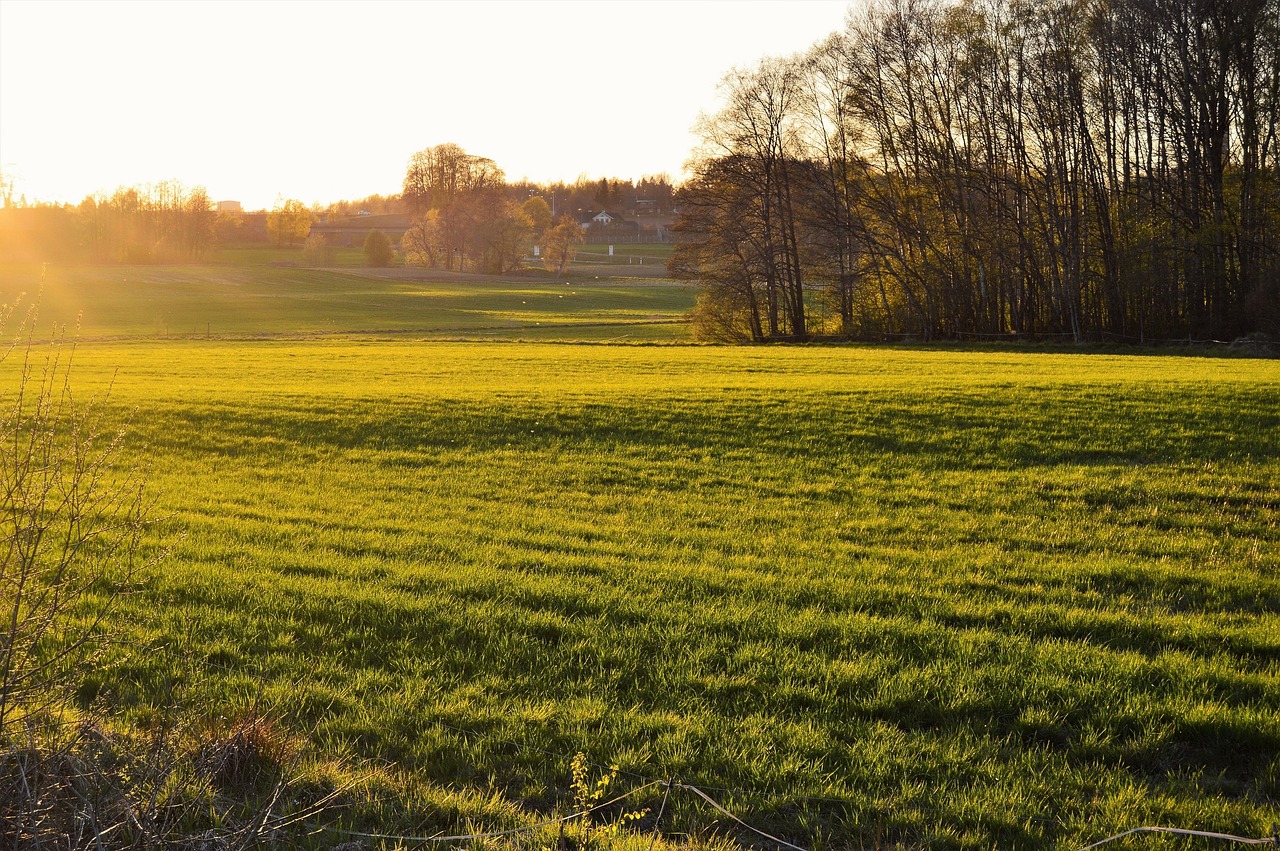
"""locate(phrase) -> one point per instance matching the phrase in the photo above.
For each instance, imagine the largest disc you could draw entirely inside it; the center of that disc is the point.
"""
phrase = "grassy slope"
(956, 598)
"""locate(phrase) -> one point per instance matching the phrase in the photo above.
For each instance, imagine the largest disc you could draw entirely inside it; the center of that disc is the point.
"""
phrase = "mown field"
(867, 597)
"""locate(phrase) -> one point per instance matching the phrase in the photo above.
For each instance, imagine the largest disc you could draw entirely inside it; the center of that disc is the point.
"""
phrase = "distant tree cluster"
(289, 222)
(651, 194)
(374, 205)
(465, 215)
(1091, 170)
(161, 223)
(462, 213)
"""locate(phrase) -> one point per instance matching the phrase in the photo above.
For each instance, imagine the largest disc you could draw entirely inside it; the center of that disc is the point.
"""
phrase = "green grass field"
(868, 597)
(253, 254)
(639, 254)
(261, 300)
(259, 254)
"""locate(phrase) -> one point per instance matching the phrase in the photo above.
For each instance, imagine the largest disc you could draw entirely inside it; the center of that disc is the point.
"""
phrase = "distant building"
(230, 207)
(605, 223)
(601, 219)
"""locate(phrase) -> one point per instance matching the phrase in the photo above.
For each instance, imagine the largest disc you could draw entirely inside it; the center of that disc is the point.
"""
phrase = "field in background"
(939, 597)
(652, 256)
(258, 254)
(648, 250)
(253, 298)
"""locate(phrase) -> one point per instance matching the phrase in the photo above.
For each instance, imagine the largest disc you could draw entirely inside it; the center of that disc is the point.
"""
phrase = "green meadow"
(638, 253)
(865, 597)
(656, 250)
(265, 299)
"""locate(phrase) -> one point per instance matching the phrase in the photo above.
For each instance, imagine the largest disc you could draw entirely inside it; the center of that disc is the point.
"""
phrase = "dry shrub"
(317, 251)
(253, 750)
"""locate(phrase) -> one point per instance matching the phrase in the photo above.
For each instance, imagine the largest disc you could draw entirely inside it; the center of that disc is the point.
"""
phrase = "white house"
(600, 219)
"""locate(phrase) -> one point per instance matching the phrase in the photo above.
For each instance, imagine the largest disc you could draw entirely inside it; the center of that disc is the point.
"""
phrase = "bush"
(721, 317)
(377, 249)
(317, 251)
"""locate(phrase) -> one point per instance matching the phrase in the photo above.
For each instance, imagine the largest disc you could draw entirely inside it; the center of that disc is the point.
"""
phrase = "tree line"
(1083, 169)
(463, 212)
(159, 223)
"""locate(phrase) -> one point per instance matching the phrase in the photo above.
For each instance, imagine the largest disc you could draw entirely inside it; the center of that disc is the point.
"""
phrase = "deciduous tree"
(317, 251)
(423, 243)
(561, 246)
(988, 167)
(447, 180)
(289, 223)
(502, 237)
(538, 212)
(750, 159)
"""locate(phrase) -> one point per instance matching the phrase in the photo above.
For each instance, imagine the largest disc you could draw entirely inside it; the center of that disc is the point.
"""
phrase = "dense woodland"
(1083, 169)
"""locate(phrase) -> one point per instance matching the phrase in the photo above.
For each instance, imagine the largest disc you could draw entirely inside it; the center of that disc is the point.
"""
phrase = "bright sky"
(323, 101)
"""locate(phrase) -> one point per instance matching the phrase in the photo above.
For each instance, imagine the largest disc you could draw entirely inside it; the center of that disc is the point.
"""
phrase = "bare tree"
(1002, 167)
(289, 223)
(753, 137)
